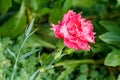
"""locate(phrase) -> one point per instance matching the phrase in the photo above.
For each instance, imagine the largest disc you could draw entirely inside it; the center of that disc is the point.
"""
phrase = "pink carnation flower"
(75, 31)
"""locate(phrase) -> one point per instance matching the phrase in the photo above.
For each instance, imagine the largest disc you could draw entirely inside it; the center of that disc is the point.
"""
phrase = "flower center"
(73, 30)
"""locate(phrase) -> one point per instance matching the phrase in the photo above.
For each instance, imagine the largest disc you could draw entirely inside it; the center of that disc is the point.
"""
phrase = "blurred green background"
(102, 62)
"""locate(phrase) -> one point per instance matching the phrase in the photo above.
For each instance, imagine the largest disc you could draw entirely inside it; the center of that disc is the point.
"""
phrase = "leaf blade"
(110, 26)
(27, 54)
(11, 53)
(3, 7)
(110, 38)
(113, 58)
(34, 75)
(28, 30)
(15, 25)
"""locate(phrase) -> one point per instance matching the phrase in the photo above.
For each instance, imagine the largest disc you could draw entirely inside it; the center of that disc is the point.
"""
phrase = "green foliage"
(14, 24)
(114, 55)
(3, 7)
(110, 26)
(81, 3)
(42, 57)
(110, 38)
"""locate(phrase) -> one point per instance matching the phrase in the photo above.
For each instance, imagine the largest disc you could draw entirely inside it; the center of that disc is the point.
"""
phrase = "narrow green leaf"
(27, 55)
(28, 30)
(5, 5)
(110, 38)
(110, 26)
(34, 75)
(113, 58)
(32, 32)
(11, 53)
(15, 25)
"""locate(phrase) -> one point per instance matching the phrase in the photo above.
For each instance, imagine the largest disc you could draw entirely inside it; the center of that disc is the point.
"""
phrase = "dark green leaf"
(15, 25)
(110, 26)
(5, 5)
(113, 58)
(110, 38)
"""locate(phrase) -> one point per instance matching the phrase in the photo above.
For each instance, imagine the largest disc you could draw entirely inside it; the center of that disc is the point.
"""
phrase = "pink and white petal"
(64, 30)
(71, 44)
(83, 45)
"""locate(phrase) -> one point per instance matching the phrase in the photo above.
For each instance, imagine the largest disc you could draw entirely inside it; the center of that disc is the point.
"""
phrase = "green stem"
(83, 61)
(16, 61)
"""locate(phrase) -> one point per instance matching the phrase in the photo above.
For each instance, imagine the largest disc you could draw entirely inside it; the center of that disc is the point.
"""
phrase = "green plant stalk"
(83, 61)
(16, 61)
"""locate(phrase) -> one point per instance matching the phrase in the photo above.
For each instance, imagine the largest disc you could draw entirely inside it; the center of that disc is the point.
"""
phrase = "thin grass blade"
(28, 30)
(27, 54)
(11, 53)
